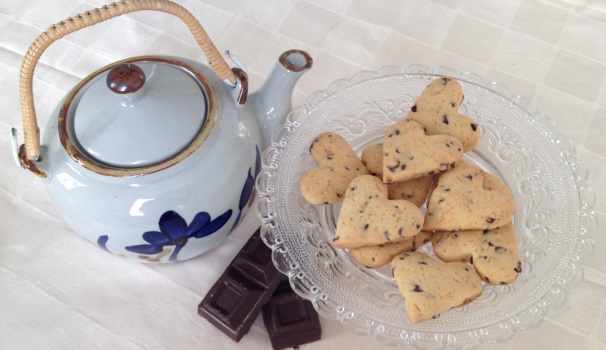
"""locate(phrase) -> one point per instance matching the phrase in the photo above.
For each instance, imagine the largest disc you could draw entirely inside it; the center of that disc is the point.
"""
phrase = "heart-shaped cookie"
(436, 110)
(337, 165)
(413, 190)
(430, 287)
(379, 255)
(409, 153)
(493, 253)
(467, 198)
(367, 217)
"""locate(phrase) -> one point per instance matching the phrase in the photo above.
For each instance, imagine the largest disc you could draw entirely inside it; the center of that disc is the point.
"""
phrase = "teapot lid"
(139, 113)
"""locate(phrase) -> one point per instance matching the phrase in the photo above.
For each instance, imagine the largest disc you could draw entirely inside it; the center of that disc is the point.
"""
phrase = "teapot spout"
(273, 100)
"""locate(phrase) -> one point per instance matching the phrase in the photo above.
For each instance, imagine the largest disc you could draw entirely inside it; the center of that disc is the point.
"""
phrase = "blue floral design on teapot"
(174, 231)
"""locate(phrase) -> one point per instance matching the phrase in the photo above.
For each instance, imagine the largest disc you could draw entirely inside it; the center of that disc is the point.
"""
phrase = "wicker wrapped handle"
(30, 125)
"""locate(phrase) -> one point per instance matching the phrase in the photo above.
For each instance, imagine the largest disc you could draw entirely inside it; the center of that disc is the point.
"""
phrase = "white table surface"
(58, 291)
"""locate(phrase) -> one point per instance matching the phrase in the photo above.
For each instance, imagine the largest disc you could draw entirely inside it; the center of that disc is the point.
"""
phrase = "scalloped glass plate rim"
(495, 332)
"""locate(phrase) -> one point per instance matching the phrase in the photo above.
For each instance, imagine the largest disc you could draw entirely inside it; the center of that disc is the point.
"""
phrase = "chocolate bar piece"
(235, 300)
(290, 320)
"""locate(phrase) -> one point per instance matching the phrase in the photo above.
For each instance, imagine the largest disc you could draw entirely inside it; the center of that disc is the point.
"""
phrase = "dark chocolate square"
(232, 297)
(235, 300)
(255, 261)
(258, 252)
(289, 310)
(227, 298)
(290, 320)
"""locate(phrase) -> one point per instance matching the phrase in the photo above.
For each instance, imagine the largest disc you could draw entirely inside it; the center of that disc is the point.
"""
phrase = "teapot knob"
(125, 78)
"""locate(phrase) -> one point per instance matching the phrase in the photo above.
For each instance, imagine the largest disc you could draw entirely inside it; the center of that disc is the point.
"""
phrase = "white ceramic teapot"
(154, 158)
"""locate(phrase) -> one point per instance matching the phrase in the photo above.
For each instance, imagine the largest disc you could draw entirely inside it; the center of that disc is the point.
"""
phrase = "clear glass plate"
(554, 217)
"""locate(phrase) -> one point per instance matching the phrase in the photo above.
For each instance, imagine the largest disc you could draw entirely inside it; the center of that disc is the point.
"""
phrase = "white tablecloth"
(58, 291)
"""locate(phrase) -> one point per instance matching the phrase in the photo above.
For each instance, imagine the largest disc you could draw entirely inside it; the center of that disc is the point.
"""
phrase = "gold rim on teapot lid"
(88, 134)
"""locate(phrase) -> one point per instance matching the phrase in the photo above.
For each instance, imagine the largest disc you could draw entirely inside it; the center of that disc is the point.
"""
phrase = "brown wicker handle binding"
(30, 125)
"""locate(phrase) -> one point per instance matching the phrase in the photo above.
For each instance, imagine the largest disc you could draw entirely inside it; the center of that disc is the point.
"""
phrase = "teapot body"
(162, 168)
(173, 214)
